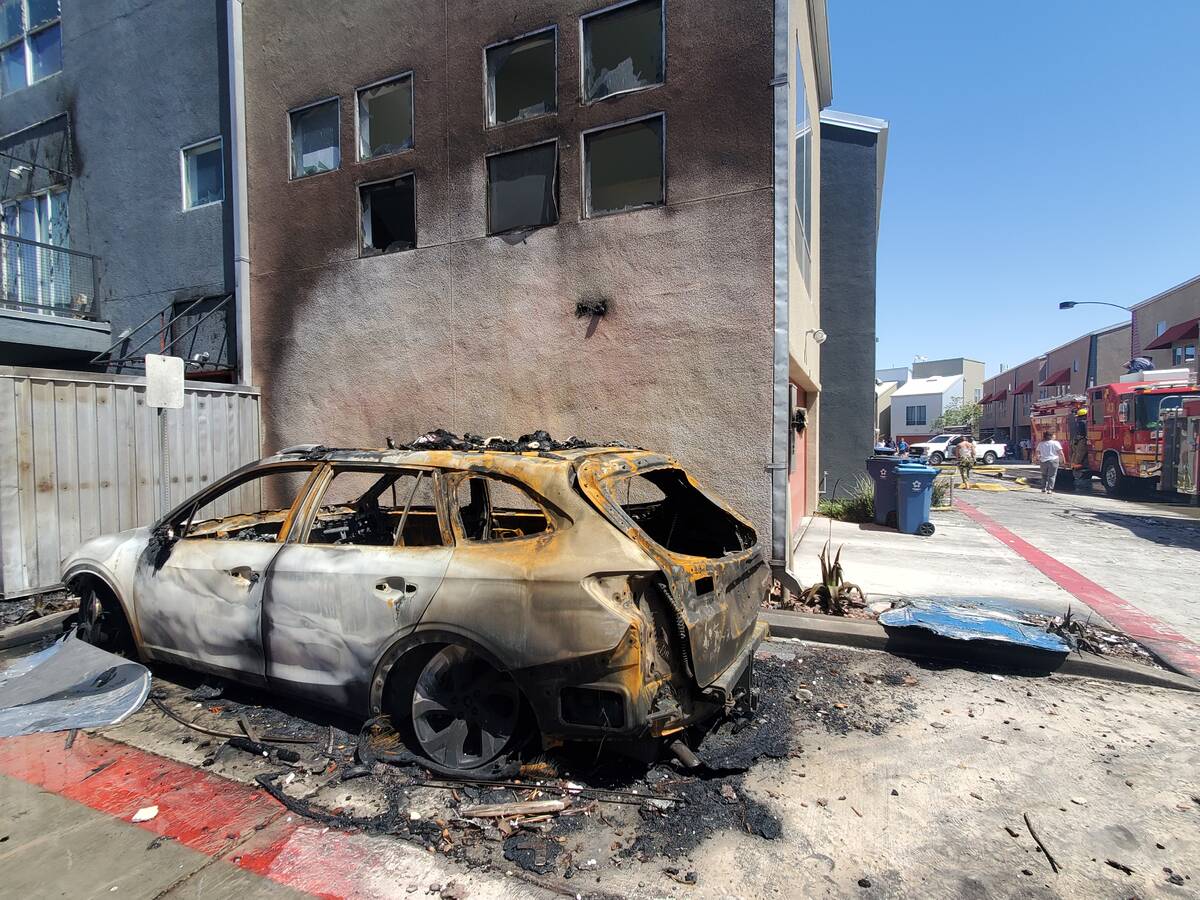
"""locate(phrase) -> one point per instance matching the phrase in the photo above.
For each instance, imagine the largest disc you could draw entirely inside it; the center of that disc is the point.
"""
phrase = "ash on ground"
(27, 609)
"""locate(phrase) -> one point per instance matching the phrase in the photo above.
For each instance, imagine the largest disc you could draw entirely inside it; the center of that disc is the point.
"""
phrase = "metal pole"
(165, 462)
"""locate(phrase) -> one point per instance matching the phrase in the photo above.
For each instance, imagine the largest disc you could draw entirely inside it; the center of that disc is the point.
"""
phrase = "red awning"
(1001, 394)
(986, 398)
(1062, 376)
(1025, 388)
(1180, 332)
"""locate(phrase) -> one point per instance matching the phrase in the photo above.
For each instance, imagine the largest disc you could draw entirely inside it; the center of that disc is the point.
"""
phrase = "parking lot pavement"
(898, 780)
(959, 561)
(1146, 554)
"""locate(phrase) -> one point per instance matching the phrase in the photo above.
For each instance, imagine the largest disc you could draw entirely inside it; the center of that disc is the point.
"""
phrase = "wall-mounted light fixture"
(818, 335)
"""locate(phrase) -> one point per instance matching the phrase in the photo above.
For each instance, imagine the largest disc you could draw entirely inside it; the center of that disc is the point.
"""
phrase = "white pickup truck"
(944, 448)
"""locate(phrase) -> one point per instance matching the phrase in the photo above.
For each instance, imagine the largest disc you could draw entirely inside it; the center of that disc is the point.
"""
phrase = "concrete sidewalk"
(960, 561)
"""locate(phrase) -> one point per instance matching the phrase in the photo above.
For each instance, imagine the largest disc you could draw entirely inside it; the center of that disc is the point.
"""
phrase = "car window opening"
(680, 518)
(368, 509)
(252, 509)
(494, 510)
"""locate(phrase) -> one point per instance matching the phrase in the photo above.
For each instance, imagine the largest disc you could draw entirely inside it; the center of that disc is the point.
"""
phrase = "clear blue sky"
(1038, 151)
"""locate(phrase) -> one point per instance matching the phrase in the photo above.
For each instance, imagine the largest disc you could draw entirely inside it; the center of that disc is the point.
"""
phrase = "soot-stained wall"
(478, 333)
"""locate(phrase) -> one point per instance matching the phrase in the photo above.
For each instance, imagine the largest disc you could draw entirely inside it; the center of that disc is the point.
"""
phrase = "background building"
(600, 220)
(970, 369)
(111, 146)
(853, 153)
(886, 382)
(918, 402)
(1166, 327)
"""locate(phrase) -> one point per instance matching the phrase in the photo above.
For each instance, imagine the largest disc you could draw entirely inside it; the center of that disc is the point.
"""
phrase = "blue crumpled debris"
(971, 623)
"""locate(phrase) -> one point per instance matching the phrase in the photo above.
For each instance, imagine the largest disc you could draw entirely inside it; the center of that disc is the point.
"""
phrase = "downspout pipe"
(237, 183)
(780, 387)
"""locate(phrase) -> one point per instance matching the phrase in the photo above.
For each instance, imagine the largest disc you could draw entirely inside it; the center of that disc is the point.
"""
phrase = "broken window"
(30, 42)
(315, 145)
(623, 49)
(490, 509)
(389, 215)
(253, 508)
(203, 174)
(624, 167)
(523, 188)
(681, 518)
(378, 508)
(521, 78)
(385, 118)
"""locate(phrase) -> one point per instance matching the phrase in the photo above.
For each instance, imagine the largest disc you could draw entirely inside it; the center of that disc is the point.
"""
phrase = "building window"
(1159, 329)
(624, 167)
(523, 188)
(30, 42)
(389, 215)
(35, 276)
(914, 415)
(803, 175)
(315, 146)
(203, 170)
(978, 394)
(1075, 365)
(623, 49)
(522, 78)
(385, 118)
(1181, 356)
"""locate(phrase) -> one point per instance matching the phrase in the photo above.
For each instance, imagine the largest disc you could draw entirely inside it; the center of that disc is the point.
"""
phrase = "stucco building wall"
(478, 333)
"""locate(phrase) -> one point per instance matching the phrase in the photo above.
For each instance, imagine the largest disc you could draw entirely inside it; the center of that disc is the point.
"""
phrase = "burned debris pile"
(537, 441)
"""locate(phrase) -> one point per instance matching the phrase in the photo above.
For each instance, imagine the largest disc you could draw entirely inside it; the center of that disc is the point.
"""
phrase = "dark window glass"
(625, 167)
(389, 216)
(623, 49)
(385, 123)
(523, 188)
(521, 79)
(315, 146)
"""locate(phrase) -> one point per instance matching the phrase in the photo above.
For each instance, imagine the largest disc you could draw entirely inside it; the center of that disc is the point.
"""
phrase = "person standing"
(1049, 455)
(966, 459)
(902, 447)
(1024, 449)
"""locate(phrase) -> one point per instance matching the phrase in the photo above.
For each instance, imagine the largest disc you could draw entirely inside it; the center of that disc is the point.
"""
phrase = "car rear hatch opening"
(714, 568)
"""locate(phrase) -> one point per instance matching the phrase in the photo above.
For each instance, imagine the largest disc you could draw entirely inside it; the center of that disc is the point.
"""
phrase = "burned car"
(484, 599)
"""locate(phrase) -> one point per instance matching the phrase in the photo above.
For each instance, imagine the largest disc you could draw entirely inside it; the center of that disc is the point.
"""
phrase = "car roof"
(499, 460)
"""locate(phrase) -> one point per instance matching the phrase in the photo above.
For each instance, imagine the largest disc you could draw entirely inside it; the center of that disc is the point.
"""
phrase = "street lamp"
(1071, 304)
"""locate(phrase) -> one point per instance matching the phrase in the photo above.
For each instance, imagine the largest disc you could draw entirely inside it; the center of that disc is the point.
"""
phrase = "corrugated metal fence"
(81, 455)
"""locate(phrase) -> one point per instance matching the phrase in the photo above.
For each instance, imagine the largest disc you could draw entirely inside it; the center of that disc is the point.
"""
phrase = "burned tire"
(462, 713)
(989, 458)
(102, 623)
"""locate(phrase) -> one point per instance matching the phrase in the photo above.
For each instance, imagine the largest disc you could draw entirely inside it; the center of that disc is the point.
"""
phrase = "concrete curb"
(31, 632)
(867, 634)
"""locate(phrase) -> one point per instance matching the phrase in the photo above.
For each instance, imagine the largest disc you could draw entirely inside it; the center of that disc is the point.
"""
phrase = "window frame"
(909, 415)
(585, 182)
(24, 40)
(487, 94)
(555, 520)
(234, 480)
(412, 115)
(358, 189)
(306, 515)
(219, 140)
(45, 198)
(662, 18)
(290, 134)
(487, 181)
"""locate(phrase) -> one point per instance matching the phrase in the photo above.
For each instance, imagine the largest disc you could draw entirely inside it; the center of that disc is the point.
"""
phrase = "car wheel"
(465, 714)
(102, 623)
(1115, 483)
(989, 458)
(936, 458)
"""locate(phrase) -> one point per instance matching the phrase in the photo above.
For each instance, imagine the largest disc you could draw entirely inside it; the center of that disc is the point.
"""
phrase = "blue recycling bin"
(882, 471)
(914, 496)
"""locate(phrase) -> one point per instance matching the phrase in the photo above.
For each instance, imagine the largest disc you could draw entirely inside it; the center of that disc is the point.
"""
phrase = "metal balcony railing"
(49, 280)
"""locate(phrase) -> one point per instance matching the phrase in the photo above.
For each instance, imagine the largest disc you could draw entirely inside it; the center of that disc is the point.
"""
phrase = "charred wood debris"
(562, 816)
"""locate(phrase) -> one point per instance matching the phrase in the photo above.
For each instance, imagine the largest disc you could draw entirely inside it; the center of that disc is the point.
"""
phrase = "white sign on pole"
(164, 381)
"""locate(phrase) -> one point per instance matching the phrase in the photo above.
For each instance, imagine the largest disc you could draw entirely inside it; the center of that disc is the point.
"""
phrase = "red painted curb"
(1174, 649)
(238, 824)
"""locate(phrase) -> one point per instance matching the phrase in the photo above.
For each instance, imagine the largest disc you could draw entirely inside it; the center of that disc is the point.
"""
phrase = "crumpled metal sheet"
(69, 684)
(971, 623)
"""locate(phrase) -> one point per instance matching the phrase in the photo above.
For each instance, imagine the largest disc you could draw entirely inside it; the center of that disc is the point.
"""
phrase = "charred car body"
(477, 596)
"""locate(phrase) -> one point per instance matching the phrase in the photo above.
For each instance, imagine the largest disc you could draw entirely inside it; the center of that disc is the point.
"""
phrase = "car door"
(369, 552)
(198, 600)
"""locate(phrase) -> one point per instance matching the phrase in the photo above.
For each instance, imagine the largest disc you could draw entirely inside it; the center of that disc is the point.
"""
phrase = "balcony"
(49, 305)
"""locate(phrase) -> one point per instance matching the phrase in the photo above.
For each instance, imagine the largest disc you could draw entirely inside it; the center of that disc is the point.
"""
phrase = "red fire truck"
(1116, 431)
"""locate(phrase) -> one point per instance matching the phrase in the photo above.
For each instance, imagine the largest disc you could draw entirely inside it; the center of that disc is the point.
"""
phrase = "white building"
(918, 403)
